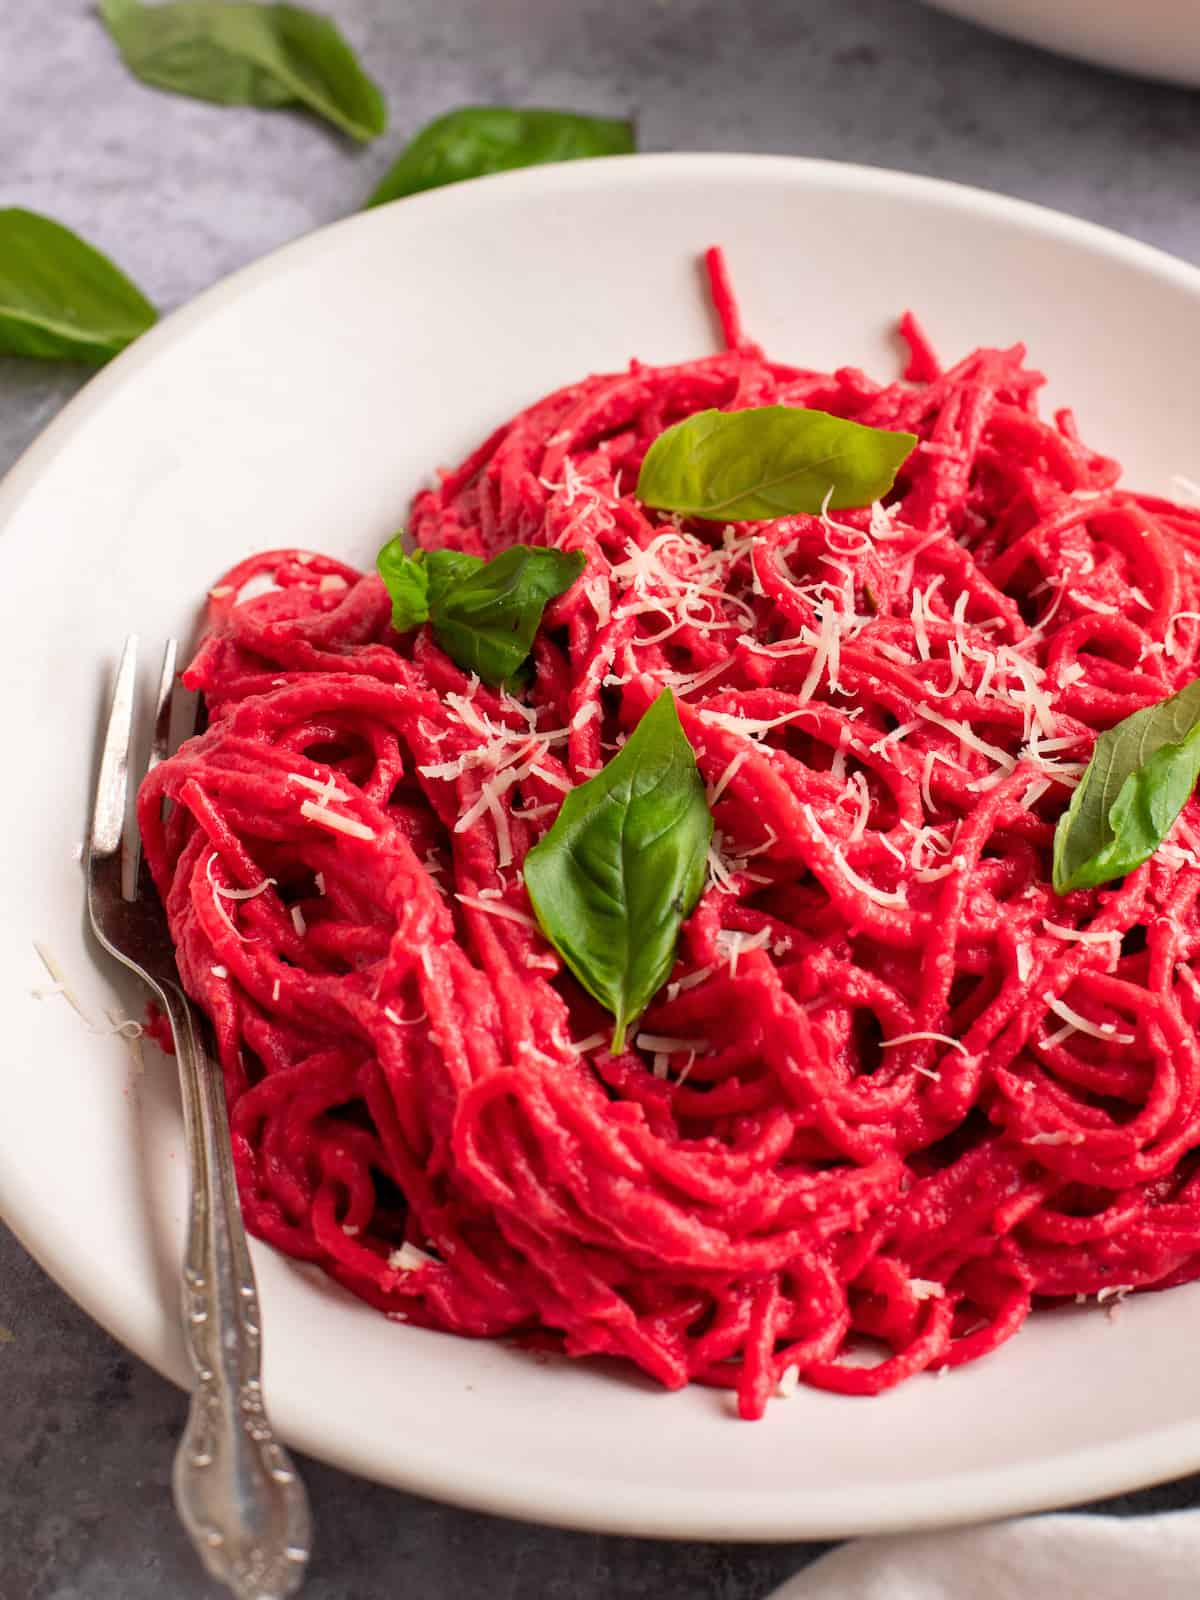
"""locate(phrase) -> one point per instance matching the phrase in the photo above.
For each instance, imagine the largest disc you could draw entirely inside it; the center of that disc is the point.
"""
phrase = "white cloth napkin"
(1033, 1558)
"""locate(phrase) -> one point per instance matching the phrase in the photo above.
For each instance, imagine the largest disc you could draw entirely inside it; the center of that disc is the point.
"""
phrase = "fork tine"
(108, 817)
(134, 881)
(163, 703)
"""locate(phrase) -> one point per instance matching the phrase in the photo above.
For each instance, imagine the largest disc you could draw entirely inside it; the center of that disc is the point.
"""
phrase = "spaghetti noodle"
(896, 1090)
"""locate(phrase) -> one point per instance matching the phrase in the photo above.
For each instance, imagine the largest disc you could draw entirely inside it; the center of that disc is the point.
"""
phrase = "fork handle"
(236, 1490)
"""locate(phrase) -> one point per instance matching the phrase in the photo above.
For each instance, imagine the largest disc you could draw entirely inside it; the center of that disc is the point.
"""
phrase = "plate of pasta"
(689, 860)
(1157, 40)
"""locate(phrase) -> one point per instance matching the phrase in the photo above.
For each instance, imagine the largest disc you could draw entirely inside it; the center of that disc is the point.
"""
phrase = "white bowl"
(303, 402)
(1153, 38)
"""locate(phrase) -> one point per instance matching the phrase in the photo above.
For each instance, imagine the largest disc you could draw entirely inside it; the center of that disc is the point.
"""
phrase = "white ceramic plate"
(303, 402)
(1153, 38)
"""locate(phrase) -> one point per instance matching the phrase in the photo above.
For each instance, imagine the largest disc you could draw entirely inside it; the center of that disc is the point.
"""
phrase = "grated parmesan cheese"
(1169, 630)
(1116, 1291)
(126, 1027)
(789, 1382)
(132, 1032)
(592, 1042)
(926, 1289)
(963, 734)
(882, 897)
(665, 1044)
(732, 943)
(726, 778)
(334, 821)
(910, 1038)
(1089, 603)
(261, 583)
(1084, 935)
(243, 894)
(750, 727)
(918, 621)
(325, 792)
(217, 906)
(857, 785)
(410, 1258)
(496, 909)
(935, 874)
(1080, 1024)
(674, 990)
(894, 737)
(404, 1022)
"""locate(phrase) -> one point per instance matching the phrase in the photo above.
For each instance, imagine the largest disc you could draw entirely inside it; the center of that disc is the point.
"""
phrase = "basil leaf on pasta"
(623, 865)
(476, 140)
(447, 568)
(60, 299)
(769, 461)
(1140, 777)
(484, 614)
(407, 581)
(485, 619)
(240, 54)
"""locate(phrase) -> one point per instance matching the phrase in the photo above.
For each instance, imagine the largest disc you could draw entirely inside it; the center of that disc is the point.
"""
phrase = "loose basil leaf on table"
(484, 614)
(248, 55)
(480, 139)
(623, 865)
(1140, 777)
(59, 298)
(768, 461)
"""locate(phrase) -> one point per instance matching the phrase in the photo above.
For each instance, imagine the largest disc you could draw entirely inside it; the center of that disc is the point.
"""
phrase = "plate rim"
(1066, 1477)
(1106, 50)
(642, 167)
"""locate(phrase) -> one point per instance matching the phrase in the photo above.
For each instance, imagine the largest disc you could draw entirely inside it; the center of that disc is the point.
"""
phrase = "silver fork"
(236, 1490)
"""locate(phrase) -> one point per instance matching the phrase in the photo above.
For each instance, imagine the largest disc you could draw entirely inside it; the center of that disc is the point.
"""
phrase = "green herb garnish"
(248, 55)
(623, 865)
(771, 461)
(484, 614)
(1139, 779)
(60, 299)
(480, 139)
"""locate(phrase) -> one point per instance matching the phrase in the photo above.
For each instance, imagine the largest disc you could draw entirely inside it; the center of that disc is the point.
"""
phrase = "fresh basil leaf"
(248, 55)
(623, 864)
(1139, 779)
(769, 461)
(479, 139)
(485, 619)
(446, 569)
(60, 299)
(484, 614)
(407, 580)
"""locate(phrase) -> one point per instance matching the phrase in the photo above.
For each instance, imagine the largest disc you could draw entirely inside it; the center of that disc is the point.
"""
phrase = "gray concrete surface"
(182, 193)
